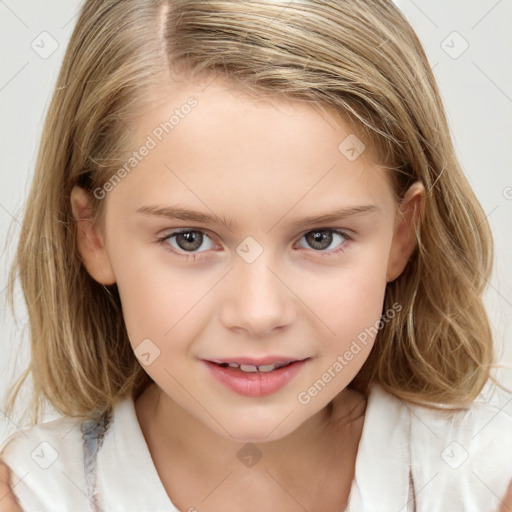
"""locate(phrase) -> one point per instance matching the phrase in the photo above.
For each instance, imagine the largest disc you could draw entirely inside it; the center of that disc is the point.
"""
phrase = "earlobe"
(404, 237)
(89, 239)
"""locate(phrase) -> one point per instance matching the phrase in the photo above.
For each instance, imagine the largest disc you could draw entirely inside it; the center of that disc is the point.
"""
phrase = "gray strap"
(411, 500)
(93, 432)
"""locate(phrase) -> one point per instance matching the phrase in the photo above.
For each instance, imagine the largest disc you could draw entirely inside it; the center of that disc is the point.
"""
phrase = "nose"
(257, 300)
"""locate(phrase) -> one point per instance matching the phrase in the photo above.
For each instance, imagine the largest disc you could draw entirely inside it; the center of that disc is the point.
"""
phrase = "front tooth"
(267, 367)
(233, 365)
(248, 368)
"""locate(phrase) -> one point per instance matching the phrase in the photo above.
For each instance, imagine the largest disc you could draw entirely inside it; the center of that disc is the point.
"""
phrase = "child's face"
(259, 288)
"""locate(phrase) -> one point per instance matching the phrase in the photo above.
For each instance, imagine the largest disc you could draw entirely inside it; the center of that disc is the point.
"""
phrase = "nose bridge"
(258, 301)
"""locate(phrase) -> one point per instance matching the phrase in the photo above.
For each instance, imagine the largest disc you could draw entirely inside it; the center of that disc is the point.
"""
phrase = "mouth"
(252, 368)
(264, 365)
(255, 380)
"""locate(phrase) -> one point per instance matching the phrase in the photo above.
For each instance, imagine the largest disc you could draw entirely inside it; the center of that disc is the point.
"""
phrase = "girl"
(254, 272)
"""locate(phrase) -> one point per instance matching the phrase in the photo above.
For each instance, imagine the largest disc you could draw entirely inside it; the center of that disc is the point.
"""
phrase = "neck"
(180, 436)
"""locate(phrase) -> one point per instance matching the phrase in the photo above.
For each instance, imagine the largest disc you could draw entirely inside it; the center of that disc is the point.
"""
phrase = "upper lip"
(257, 361)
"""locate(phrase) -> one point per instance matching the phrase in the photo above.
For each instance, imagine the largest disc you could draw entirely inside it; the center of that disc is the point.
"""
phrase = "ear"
(404, 237)
(90, 242)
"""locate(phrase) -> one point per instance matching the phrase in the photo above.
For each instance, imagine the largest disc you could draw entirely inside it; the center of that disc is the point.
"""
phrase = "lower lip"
(255, 384)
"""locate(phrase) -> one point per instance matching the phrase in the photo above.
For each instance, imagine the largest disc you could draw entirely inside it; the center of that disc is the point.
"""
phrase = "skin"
(265, 166)
(8, 501)
(269, 163)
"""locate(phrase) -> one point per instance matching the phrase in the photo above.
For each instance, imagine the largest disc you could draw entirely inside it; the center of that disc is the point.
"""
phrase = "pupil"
(320, 239)
(192, 240)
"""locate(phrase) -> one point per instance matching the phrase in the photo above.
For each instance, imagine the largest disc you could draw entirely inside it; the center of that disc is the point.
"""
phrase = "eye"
(323, 239)
(186, 240)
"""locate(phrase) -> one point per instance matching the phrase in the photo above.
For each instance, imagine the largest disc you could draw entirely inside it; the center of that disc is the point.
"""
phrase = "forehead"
(216, 140)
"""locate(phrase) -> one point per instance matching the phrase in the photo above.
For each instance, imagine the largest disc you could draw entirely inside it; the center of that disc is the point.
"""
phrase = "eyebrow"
(176, 213)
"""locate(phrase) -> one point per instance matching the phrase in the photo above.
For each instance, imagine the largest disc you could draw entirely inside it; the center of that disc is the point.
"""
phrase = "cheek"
(351, 306)
(161, 302)
(150, 306)
(351, 312)
(349, 298)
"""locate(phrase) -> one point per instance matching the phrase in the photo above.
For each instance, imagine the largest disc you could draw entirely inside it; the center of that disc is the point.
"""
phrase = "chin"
(258, 430)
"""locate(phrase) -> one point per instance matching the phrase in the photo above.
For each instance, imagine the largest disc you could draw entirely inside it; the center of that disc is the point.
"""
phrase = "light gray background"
(476, 87)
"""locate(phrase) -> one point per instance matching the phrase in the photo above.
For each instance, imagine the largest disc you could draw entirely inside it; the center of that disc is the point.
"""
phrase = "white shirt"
(410, 458)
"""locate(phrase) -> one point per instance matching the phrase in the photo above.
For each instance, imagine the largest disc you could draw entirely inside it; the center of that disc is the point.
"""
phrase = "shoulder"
(485, 422)
(462, 457)
(45, 461)
(40, 444)
(482, 428)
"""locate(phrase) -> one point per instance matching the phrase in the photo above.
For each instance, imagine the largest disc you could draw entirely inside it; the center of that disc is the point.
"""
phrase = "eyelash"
(192, 256)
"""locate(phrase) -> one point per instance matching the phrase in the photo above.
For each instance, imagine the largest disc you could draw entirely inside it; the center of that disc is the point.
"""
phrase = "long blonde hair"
(360, 58)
